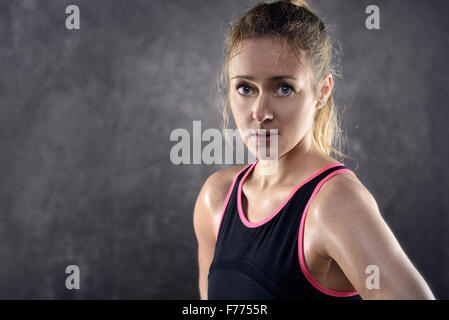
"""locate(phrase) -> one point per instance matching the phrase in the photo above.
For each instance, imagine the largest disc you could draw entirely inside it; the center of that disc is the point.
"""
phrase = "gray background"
(86, 115)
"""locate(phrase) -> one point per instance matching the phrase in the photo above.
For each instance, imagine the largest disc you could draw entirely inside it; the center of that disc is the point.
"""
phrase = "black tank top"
(265, 260)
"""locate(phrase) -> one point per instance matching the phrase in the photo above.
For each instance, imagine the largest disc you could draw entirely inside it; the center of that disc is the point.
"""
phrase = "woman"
(310, 230)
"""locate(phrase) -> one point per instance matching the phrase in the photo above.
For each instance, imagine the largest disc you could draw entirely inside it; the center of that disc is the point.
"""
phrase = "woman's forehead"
(262, 58)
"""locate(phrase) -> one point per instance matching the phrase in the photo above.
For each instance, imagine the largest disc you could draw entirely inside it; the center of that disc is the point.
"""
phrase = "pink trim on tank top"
(225, 204)
(302, 263)
(250, 224)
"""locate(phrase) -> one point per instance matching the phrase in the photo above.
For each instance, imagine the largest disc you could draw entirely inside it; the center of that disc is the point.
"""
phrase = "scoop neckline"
(250, 224)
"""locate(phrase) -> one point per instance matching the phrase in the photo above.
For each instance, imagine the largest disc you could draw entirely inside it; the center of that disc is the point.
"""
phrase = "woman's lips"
(264, 138)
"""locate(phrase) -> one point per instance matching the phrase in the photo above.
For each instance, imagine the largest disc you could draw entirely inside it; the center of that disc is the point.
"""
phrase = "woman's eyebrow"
(275, 78)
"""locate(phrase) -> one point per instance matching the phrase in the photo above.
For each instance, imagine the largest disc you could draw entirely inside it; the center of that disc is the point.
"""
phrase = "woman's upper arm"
(207, 209)
(358, 239)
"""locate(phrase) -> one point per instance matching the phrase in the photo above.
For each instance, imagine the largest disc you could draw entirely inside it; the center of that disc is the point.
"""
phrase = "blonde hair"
(294, 22)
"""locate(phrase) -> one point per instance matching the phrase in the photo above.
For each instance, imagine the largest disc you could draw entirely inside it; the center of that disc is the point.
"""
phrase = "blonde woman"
(311, 230)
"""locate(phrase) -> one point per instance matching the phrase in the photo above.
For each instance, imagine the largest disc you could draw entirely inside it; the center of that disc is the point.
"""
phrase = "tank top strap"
(307, 190)
(231, 196)
(329, 171)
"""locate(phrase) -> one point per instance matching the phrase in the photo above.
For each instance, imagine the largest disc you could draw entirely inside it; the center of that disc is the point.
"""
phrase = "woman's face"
(270, 89)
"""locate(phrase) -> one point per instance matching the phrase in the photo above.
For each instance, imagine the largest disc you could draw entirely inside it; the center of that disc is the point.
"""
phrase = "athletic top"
(265, 259)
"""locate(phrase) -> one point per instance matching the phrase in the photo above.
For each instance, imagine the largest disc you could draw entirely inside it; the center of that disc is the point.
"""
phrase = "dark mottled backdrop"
(86, 115)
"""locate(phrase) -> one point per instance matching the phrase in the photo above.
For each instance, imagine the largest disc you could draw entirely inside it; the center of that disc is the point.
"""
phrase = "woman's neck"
(303, 155)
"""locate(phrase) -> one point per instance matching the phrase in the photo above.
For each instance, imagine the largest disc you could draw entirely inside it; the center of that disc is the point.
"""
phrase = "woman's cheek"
(241, 112)
(237, 112)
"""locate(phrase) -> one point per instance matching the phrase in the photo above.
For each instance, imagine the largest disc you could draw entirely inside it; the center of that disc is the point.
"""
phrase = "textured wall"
(85, 119)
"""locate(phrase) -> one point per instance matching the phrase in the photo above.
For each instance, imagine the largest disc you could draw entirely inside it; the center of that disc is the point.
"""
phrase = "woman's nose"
(262, 110)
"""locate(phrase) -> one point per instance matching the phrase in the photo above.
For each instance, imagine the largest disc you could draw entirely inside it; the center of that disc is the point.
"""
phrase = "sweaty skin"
(344, 231)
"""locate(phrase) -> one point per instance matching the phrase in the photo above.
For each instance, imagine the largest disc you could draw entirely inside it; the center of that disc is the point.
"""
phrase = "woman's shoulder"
(213, 195)
(217, 185)
(346, 181)
(342, 184)
(343, 180)
(341, 203)
(343, 194)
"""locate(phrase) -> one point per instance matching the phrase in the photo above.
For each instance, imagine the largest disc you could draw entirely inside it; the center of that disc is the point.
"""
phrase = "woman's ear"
(325, 91)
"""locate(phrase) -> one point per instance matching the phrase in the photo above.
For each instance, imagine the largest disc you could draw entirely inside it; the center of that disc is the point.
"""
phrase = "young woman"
(311, 230)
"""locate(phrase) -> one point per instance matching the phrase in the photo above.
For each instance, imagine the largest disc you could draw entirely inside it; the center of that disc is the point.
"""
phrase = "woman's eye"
(284, 90)
(244, 90)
